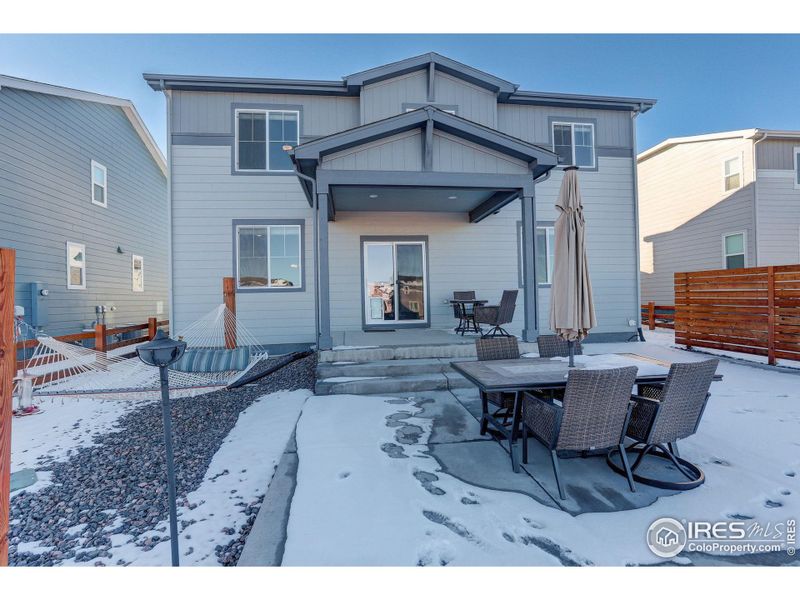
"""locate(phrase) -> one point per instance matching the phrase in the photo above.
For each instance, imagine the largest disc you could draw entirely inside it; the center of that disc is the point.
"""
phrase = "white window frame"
(269, 286)
(133, 272)
(572, 141)
(266, 113)
(796, 175)
(83, 278)
(740, 173)
(725, 254)
(94, 165)
(547, 265)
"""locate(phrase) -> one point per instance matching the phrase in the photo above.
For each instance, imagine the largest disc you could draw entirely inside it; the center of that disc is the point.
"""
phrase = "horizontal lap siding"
(46, 145)
(778, 218)
(206, 199)
(684, 212)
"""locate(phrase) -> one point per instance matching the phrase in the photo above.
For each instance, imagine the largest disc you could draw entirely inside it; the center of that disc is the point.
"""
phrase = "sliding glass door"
(394, 282)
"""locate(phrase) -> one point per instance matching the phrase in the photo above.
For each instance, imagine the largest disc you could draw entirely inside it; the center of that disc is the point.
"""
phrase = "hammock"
(58, 369)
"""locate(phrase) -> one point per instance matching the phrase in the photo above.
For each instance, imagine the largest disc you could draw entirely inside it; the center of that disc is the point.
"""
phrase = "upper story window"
(261, 136)
(99, 184)
(796, 154)
(268, 256)
(137, 273)
(733, 249)
(574, 143)
(733, 173)
(76, 266)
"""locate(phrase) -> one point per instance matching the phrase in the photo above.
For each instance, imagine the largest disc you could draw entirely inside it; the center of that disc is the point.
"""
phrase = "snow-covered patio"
(409, 481)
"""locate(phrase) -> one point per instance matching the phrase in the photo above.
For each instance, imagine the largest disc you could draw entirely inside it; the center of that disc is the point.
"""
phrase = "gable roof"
(126, 105)
(312, 152)
(710, 137)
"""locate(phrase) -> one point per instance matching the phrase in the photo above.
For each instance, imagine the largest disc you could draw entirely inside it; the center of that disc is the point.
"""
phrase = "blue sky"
(702, 83)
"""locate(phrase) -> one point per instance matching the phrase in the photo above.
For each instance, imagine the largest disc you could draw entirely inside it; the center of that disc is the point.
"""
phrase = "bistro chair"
(668, 412)
(551, 346)
(499, 348)
(463, 312)
(593, 415)
(499, 315)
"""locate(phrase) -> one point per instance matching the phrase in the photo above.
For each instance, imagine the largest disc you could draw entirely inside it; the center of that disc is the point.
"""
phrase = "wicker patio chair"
(551, 346)
(593, 416)
(668, 412)
(498, 348)
(497, 315)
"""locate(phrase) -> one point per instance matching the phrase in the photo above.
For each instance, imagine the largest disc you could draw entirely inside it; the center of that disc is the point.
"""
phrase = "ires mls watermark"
(668, 537)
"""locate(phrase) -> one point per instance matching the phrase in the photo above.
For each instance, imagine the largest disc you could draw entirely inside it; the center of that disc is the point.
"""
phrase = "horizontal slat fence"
(658, 315)
(754, 310)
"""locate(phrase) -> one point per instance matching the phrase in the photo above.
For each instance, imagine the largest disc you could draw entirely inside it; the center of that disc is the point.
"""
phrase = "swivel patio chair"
(665, 413)
(464, 313)
(499, 348)
(551, 346)
(499, 315)
(593, 415)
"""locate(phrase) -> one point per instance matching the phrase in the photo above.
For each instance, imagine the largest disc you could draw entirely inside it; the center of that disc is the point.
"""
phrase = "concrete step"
(389, 385)
(383, 368)
(382, 353)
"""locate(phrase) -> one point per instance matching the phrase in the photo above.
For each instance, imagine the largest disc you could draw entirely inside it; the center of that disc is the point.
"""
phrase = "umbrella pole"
(571, 353)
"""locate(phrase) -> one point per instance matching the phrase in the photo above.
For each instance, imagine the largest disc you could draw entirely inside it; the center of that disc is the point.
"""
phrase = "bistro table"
(525, 374)
(466, 320)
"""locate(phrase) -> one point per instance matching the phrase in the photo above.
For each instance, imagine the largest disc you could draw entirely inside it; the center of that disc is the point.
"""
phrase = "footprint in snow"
(790, 473)
(773, 504)
(533, 523)
(721, 461)
(344, 474)
(739, 517)
(786, 492)
(426, 480)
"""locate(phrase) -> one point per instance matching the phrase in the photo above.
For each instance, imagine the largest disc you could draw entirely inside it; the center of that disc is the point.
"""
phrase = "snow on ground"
(357, 503)
(238, 475)
(63, 426)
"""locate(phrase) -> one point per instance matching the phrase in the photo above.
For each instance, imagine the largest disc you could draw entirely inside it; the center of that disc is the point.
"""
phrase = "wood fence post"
(771, 315)
(651, 315)
(8, 359)
(152, 327)
(100, 344)
(229, 298)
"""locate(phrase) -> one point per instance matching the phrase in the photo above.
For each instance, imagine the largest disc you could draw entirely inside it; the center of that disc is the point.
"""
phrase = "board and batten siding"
(776, 153)
(778, 218)
(684, 212)
(401, 152)
(386, 98)
(47, 144)
(206, 199)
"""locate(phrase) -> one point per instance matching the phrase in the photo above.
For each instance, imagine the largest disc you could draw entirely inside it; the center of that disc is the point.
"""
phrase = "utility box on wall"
(39, 315)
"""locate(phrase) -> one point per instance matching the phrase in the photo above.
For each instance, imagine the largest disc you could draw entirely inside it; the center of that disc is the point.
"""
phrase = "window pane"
(562, 143)
(245, 126)
(278, 158)
(542, 275)
(285, 258)
(75, 276)
(734, 262)
(732, 182)
(584, 145)
(584, 157)
(99, 175)
(734, 244)
(276, 126)
(259, 127)
(99, 194)
(551, 252)
(253, 257)
(732, 166)
(252, 155)
(290, 128)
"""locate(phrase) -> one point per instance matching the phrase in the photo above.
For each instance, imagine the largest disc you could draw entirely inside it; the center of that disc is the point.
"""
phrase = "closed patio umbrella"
(571, 305)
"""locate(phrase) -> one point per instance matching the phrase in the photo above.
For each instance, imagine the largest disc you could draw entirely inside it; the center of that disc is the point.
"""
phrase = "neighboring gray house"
(83, 200)
(416, 179)
(717, 201)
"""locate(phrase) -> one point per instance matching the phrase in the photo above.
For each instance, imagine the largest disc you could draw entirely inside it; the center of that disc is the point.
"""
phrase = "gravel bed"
(117, 487)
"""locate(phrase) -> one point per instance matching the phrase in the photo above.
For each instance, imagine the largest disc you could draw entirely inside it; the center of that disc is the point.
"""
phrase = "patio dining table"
(525, 374)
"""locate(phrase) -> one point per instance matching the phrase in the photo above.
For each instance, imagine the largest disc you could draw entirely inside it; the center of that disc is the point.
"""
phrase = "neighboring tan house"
(426, 176)
(83, 200)
(717, 201)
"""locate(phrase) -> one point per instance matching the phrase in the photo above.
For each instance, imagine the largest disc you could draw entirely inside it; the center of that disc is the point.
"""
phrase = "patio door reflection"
(394, 282)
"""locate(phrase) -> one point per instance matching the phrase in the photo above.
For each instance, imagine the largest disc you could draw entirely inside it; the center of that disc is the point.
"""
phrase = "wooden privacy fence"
(754, 310)
(658, 315)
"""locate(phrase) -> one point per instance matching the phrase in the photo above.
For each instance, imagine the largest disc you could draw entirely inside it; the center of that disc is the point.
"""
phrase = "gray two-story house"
(362, 204)
(736, 204)
(83, 200)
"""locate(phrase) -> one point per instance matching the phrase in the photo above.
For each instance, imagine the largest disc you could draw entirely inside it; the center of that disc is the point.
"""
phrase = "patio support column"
(325, 342)
(530, 289)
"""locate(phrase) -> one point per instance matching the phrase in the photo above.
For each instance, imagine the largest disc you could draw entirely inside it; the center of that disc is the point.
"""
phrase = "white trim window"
(137, 273)
(268, 256)
(99, 184)
(76, 266)
(545, 253)
(796, 155)
(261, 136)
(734, 250)
(574, 143)
(732, 173)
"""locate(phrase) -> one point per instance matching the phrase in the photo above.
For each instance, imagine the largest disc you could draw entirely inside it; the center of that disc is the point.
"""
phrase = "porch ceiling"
(404, 199)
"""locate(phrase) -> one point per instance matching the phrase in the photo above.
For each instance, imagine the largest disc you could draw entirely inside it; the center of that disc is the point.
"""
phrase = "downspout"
(636, 239)
(764, 136)
(170, 253)
(315, 251)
